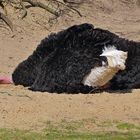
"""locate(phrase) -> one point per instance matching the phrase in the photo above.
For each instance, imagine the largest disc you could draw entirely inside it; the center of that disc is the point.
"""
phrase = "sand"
(24, 109)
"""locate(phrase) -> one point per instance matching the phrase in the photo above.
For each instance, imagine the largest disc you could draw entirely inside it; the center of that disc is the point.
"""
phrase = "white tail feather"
(99, 76)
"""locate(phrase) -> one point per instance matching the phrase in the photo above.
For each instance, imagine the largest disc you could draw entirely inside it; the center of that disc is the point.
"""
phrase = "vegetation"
(82, 130)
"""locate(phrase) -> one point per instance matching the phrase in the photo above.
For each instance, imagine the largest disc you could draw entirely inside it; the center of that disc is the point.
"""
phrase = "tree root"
(20, 4)
(43, 6)
(71, 8)
(24, 14)
(6, 20)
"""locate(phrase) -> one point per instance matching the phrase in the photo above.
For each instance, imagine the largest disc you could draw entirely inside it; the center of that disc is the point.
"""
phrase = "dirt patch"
(21, 108)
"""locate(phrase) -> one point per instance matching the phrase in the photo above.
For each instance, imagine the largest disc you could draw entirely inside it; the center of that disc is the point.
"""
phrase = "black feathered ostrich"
(80, 59)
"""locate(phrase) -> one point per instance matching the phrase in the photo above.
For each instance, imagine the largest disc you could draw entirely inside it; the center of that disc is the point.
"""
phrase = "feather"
(99, 76)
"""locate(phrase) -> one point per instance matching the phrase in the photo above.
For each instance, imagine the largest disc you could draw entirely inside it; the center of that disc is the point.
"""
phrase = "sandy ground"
(24, 109)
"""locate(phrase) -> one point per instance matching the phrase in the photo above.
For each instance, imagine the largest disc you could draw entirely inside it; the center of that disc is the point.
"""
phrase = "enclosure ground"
(26, 110)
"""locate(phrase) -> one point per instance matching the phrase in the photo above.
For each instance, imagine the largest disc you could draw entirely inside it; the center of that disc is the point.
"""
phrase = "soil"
(24, 109)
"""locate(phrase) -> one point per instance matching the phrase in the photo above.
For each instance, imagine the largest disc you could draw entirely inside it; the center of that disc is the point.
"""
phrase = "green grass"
(76, 131)
(127, 126)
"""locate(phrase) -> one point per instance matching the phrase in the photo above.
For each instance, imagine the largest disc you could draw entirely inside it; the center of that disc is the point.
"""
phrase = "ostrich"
(79, 59)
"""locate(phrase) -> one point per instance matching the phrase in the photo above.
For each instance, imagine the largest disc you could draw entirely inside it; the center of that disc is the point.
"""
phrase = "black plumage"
(61, 61)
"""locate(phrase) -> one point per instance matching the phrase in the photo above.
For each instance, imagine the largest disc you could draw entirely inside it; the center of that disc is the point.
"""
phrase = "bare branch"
(52, 6)
(6, 20)
(41, 5)
(24, 14)
(70, 7)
